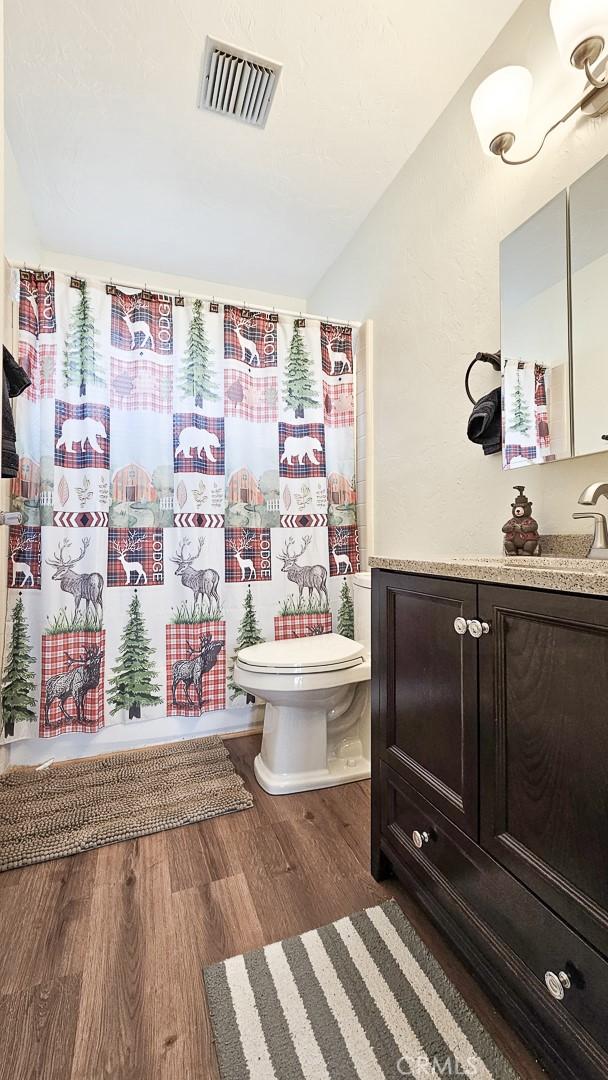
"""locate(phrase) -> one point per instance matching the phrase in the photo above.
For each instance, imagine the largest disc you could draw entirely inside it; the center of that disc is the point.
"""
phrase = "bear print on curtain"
(186, 485)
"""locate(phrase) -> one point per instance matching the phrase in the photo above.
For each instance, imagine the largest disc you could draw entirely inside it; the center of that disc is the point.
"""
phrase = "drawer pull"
(461, 625)
(557, 984)
(420, 838)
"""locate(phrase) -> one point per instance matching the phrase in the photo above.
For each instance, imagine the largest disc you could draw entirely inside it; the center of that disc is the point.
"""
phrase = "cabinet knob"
(557, 984)
(420, 838)
(461, 625)
(477, 628)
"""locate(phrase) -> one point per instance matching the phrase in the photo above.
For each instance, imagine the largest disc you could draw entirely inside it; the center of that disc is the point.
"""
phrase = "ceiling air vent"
(237, 83)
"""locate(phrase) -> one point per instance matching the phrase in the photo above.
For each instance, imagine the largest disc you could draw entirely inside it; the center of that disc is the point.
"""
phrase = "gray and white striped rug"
(361, 998)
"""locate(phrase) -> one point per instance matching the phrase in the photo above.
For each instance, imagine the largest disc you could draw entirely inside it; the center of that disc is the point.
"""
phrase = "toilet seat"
(302, 656)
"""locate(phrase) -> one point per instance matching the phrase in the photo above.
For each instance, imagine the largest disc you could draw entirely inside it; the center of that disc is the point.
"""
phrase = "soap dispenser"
(521, 531)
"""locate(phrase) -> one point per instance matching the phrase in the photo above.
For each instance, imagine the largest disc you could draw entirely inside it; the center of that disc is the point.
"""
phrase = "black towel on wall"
(484, 425)
(14, 382)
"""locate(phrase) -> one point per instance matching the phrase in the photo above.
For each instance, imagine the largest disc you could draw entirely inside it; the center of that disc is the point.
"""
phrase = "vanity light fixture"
(500, 103)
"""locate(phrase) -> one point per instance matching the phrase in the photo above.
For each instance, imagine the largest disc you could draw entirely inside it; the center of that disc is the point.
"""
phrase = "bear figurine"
(521, 531)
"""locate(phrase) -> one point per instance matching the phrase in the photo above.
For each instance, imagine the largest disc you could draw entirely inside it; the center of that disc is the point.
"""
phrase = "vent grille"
(237, 84)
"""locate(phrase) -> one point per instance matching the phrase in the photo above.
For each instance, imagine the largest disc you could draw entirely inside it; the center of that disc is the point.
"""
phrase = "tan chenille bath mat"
(83, 804)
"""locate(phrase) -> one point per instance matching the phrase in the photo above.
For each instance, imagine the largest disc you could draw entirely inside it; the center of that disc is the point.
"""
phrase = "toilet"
(317, 692)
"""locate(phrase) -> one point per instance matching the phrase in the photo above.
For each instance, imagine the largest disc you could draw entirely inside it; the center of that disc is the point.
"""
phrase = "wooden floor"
(101, 954)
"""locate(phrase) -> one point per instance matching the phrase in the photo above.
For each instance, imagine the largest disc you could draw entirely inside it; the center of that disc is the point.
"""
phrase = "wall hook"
(484, 358)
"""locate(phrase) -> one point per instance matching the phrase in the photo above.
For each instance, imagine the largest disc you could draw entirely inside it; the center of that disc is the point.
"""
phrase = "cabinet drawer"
(497, 907)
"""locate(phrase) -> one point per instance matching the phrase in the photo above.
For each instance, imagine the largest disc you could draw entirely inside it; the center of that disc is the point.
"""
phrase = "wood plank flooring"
(101, 954)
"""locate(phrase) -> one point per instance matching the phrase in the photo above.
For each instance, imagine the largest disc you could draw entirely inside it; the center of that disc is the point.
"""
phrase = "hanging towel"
(14, 382)
(484, 427)
(526, 413)
(541, 410)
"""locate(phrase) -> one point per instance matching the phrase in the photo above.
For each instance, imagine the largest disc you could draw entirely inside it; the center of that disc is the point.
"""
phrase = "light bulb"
(578, 21)
(500, 106)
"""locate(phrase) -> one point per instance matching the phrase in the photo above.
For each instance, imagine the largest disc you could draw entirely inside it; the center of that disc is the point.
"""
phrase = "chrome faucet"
(589, 497)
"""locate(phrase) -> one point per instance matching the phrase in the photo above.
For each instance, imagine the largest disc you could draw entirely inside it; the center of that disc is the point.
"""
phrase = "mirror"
(589, 269)
(534, 338)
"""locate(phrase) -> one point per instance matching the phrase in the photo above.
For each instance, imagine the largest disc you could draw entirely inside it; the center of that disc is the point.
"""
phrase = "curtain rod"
(187, 295)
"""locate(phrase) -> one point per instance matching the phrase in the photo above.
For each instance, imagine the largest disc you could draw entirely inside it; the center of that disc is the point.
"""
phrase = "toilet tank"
(362, 601)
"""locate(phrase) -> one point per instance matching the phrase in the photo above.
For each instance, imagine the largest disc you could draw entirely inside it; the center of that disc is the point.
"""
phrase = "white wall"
(425, 267)
(21, 238)
(23, 244)
(161, 281)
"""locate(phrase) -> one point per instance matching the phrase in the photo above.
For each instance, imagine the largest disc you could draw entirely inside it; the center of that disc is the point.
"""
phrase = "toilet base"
(337, 772)
(315, 738)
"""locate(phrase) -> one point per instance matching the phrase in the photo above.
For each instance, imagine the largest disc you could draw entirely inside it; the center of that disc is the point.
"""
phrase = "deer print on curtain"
(187, 488)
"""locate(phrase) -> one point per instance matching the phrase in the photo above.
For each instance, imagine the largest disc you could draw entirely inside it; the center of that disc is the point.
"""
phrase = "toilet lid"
(319, 652)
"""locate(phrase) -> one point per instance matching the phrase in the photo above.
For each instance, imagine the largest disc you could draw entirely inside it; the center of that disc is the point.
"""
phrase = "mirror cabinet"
(589, 292)
(554, 284)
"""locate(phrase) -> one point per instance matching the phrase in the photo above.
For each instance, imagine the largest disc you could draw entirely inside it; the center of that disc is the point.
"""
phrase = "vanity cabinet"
(490, 793)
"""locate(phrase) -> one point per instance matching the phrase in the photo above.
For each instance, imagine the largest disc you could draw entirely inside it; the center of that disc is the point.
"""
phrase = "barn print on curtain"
(187, 488)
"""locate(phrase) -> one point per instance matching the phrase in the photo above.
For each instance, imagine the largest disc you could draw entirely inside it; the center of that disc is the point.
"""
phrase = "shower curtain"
(186, 485)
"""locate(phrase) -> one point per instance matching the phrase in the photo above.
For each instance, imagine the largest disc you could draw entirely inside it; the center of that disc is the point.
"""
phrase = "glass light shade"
(574, 21)
(500, 103)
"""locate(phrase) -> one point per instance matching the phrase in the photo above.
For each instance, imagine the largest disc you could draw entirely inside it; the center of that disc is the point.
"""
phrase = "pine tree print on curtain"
(299, 380)
(82, 359)
(346, 612)
(196, 379)
(132, 685)
(18, 704)
(249, 633)
(187, 488)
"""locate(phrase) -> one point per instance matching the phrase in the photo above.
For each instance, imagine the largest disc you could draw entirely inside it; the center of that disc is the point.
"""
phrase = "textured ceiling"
(119, 163)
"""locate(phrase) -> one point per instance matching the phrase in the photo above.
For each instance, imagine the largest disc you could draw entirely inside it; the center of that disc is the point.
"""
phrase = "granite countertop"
(560, 573)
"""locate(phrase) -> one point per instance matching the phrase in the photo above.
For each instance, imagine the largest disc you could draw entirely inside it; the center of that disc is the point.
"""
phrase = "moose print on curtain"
(186, 485)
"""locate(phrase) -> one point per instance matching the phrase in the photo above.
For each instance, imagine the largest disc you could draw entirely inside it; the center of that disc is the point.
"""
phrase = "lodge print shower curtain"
(186, 484)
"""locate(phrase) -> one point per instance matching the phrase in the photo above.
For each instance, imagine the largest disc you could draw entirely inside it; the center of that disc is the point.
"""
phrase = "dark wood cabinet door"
(544, 748)
(425, 711)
